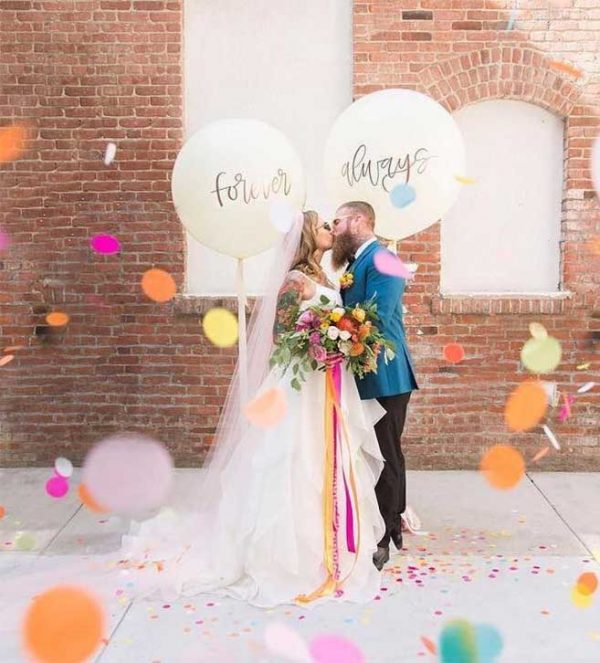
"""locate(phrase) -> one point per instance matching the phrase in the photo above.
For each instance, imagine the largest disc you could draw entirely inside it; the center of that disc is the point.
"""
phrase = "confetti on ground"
(550, 435)
(566, 68)
(220, 327)
(57, 319)
(429, 645)
(503, 466)
(526, 406)
(158, 285)
(267, 409)
(63, 625)
(110, 153)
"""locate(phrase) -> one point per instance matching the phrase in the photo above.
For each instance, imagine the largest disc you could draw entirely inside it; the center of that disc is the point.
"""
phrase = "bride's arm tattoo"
(288, 303)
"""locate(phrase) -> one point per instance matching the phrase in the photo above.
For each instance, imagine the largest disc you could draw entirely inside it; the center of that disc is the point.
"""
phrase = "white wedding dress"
(264, 544)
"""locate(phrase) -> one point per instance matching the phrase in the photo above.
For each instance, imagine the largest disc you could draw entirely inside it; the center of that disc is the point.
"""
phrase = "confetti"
(541, 355)
(454, 353)
(581, 600)
(387, 263)
(550, 435)
(57, 319)
(63, 467)
(128, 473)
(334, 648)
(587, 583)
(63, 625)
(57, 486)
(13, 348)
(565, 410)
(429, 645)
(6, 360)
(402, 195)
(158, 285)
(537, 330)
(566, 68)
(220, 327)
(267, 409)
(584, 367)
(458, 642)
(526, 406)
(540, 454)
(464, 180)
(110, 153)
(12, 142)
(284, 642)
(88, 500)
(2, 512)
(105, 244)
(25, 541)
(586, 387)
(503, 466)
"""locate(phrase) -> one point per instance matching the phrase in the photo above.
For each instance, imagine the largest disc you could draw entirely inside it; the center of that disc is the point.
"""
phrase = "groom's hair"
(363, 208)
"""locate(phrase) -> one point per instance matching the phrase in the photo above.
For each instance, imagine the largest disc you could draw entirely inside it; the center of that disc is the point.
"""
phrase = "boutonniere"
(346, 280)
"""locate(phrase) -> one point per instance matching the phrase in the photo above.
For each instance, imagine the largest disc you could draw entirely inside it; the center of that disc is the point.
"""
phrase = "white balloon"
(63, 467)
(400, 151)
(224, 180)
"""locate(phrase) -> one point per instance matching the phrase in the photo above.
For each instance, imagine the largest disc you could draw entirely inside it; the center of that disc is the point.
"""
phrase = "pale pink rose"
(317, 352)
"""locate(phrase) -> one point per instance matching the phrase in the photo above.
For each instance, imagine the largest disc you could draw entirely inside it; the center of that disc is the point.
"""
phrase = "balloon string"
(242, 342)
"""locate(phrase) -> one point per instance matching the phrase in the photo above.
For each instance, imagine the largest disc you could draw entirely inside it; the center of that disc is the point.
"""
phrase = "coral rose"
(357, 349)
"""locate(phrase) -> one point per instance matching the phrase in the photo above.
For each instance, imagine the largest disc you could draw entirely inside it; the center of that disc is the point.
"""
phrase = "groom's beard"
(343, 247)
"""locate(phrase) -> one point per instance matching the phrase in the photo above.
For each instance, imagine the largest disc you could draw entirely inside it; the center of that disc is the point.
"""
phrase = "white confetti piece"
(586, 387)
(551, 437)
(109, 155)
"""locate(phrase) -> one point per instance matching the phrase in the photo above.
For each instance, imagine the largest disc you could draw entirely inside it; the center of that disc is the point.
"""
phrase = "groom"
(355, 244)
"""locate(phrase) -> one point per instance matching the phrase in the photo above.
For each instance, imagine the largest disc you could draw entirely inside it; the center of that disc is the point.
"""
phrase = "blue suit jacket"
(397, 376)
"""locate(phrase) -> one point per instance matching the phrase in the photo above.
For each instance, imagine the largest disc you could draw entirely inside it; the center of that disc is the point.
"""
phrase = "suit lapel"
(367, 252)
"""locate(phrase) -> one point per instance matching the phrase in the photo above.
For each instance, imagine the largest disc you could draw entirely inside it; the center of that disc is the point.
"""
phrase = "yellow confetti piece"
(220, 327)
(464, 180)
(584, 367)
(581, 600)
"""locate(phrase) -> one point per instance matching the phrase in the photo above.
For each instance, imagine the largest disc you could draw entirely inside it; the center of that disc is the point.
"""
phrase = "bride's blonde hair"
(305, 260)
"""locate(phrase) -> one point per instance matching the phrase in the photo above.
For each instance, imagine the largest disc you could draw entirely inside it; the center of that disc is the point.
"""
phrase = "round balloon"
(400, 151)
(225, 179)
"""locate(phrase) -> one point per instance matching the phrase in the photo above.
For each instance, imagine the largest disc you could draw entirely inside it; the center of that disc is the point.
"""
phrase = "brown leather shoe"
(381, 557)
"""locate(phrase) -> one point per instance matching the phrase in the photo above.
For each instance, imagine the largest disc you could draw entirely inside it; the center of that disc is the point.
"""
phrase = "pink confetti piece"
(106, 244)
(387, 263)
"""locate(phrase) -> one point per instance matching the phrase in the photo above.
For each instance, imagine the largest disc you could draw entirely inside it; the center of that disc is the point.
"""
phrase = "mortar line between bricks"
(557, 512)
(59, 532)
(113, 632)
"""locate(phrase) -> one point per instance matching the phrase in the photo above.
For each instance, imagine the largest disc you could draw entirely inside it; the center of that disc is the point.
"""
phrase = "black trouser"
(391, 487)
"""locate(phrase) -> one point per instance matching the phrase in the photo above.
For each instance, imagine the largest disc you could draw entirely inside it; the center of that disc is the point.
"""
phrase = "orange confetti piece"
(2, 512)
(57, 319)
(12, 142)
(464, 180)
(63, 625)
(268, 409)
(540, 454)
(587, 583)
(526, 406)
(429, 645)
(87, 499)
(566, 68)
(158, 285)
(6, 360)
(454, 353)
(13, 348)
(503, 466)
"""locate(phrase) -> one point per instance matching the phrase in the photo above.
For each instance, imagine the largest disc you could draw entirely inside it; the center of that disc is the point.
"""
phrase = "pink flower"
(314, 338)
(317, 352)
(307, 320)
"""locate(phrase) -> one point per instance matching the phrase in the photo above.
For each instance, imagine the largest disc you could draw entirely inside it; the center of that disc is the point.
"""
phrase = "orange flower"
(364, 331)
(346, 324)
(357, 349)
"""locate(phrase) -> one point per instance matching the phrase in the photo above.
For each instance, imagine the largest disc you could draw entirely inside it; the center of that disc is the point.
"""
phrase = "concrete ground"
(506, 558)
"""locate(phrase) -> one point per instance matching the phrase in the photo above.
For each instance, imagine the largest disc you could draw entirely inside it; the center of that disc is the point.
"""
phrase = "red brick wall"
(85, 72)
(462, 52)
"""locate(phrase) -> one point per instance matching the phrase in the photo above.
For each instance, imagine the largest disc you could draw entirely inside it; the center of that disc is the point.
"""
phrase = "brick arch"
(503, 72)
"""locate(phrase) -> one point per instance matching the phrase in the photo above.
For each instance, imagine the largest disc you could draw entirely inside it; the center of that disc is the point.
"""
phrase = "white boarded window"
(503, 234)
(287, 63)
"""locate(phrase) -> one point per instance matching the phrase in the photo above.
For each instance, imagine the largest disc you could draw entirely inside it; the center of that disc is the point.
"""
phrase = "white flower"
(345, 335)
(344, 347)
(333, 332)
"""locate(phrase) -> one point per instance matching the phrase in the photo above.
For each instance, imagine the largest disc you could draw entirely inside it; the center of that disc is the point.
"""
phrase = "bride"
(258, 529)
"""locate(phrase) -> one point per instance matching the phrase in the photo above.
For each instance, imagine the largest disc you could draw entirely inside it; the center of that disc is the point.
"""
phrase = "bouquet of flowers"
(324, 333)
